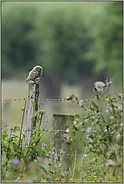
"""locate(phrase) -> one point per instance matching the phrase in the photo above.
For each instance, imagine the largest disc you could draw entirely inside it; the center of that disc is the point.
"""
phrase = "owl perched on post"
(34, 74)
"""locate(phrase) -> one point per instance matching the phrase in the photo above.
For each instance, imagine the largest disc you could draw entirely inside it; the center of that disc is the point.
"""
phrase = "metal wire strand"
(67, 154)
(46, 130)
(13, 99)
(43, 99)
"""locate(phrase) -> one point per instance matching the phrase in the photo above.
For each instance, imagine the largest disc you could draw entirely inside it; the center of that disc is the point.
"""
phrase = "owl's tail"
(28, 79)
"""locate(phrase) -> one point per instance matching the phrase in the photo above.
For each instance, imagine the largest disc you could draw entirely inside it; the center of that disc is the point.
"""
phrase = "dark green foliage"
(106, 50)
(18, 46)
(67, 39)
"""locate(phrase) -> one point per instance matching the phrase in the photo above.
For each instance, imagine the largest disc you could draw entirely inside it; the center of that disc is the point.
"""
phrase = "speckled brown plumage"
(34, 74)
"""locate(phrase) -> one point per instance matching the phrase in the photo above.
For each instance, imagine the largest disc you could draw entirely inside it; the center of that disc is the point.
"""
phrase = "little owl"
(34, 74)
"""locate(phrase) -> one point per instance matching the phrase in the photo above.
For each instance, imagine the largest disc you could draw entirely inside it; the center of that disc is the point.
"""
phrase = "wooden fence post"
(62, 122)
(33, 91)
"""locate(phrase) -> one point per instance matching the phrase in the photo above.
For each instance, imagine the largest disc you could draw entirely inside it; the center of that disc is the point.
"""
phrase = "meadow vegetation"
(101, 139)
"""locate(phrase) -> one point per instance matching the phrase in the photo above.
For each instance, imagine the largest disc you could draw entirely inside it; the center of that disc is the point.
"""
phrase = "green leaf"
(32, 119)
(22, 109)
(35, 113)
(33, 104)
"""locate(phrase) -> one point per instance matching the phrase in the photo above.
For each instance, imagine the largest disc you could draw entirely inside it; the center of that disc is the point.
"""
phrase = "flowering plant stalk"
(102, 121)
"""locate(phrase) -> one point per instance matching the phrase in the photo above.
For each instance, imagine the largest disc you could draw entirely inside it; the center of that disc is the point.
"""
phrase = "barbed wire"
(54, 130)
(47, 99)
(13, 99)
(43, 99)
(66, 154)
(45, 130)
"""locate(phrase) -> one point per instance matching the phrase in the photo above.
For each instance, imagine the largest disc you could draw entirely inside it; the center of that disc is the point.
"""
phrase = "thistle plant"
(101, 121)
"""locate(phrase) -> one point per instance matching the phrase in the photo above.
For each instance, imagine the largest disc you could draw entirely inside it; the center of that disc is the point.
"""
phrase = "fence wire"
(45, 130)
(13, 99)
(43, 99)
(67, 154)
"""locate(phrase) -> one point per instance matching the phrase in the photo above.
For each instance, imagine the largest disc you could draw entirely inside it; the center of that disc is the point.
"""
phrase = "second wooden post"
(63, 139)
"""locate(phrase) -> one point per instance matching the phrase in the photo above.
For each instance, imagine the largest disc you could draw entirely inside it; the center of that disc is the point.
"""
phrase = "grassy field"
(13, 89)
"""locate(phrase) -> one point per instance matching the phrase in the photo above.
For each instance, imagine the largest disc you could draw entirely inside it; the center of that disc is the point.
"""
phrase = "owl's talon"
(36, 83)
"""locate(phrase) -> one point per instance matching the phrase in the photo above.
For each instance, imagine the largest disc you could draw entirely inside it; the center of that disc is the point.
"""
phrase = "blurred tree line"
(75, 42)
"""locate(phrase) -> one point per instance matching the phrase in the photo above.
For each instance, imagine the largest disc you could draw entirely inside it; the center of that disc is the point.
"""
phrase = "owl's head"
(38, 68)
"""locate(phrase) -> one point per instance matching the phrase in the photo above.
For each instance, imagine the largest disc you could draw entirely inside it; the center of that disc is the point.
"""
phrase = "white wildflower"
(67, 130)
(99, 85)
(111, 109)
(118, 136)
(76, 121)
(81, 103)
(89, 129)
(111, 117)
